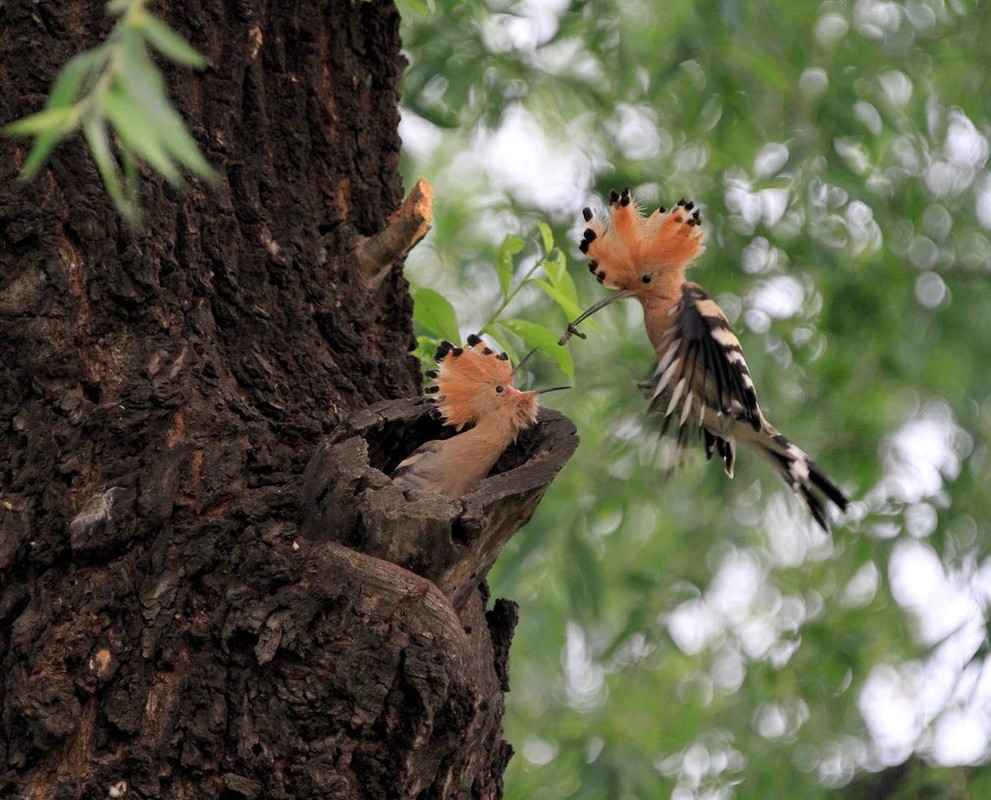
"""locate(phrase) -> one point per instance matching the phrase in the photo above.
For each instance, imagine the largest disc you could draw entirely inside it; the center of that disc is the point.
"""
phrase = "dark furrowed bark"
(165, 629)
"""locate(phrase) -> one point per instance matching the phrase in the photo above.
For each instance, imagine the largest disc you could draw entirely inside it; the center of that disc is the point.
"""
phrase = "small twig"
(509, 297)
(407, 226)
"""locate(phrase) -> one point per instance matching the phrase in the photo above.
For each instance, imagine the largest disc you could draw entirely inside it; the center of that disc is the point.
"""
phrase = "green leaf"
(132, 177)
(510, 246)
(503, 341)
(137, 133)
(145, 87)
(423, 7)
(546, 235)
(95, 132)
(442, 117)
(435, 312)
(73, 75)
(51, 126)
(43, 145)
(58, 120)
(169, 43)
(570, 308)
(188, 153)
(136, 69)
(51, 119)
(545, 340)
(426, 346)
(556, 269)
(567, 288)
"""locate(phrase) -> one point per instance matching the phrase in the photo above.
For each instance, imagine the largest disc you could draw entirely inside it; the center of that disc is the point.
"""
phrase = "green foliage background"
(681, 634)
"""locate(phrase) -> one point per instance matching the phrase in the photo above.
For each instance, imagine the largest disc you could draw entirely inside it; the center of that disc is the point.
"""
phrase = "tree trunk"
(181, 613)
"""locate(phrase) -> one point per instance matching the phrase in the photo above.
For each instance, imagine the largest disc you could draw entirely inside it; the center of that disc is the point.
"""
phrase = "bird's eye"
(500, 389)
(647, 278)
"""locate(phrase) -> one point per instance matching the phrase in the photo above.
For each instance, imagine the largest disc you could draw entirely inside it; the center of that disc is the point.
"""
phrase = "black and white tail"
(799, 472)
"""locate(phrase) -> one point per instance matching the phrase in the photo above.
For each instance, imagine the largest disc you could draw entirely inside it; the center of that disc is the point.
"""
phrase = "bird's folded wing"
(421, 469)
(702, 374)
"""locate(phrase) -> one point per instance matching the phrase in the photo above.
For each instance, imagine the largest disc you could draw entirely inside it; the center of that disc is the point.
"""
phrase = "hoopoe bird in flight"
(473, 386)
(702, 378)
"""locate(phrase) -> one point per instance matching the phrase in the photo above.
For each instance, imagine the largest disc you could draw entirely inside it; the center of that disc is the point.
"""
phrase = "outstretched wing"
(702, 377)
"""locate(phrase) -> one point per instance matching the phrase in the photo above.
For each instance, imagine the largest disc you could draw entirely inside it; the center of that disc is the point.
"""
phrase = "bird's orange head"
(473, 384)
(641, 256)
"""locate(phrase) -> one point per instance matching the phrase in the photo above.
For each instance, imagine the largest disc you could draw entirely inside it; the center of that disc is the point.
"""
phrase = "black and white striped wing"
(702, 378)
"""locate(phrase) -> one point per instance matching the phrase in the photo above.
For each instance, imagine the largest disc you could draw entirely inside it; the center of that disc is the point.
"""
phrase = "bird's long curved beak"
(550, 389)
(622, 294)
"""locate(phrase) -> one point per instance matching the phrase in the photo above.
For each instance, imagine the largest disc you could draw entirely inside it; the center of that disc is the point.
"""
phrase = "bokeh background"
(682, 634)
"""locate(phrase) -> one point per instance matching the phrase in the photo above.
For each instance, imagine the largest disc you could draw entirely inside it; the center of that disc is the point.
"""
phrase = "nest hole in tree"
(392, 440)
(348, 498)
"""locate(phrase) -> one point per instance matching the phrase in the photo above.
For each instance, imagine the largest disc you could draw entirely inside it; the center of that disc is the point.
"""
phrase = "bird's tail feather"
(801, 473)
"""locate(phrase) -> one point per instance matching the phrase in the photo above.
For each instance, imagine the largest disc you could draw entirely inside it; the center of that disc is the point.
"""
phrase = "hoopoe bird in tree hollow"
(473, 386)
(702, 378)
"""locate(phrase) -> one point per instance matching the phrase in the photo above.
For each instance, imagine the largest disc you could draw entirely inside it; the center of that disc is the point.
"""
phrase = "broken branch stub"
(404, 228)
(348, 497)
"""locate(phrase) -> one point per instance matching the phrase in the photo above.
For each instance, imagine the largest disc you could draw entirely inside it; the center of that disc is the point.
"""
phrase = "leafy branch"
(118, 86)
(434, 312)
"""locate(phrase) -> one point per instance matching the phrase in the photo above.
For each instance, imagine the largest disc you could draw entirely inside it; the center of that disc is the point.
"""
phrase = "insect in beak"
(622, 294)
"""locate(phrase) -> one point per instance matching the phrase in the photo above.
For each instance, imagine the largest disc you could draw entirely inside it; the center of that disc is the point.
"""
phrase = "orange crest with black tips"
(473, 383)
(632, 247)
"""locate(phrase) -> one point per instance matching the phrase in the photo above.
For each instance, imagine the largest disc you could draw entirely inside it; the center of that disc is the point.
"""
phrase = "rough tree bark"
(182, 614)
